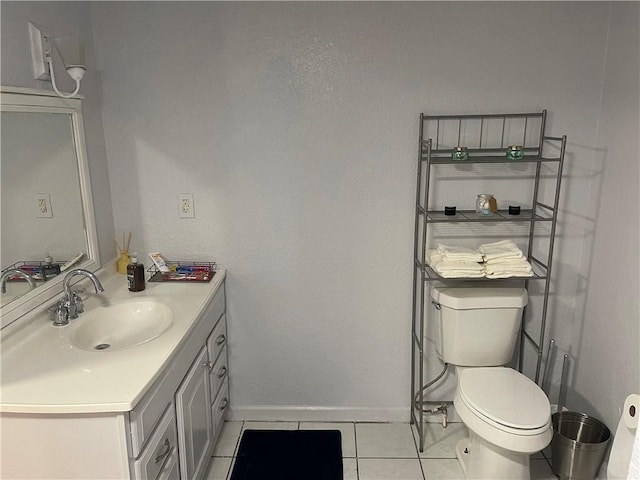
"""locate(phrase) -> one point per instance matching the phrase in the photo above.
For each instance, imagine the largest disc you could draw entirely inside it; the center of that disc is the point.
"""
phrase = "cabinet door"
(193, 413)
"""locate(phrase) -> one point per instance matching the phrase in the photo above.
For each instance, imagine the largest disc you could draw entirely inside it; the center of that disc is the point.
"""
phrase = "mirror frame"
(17, 99)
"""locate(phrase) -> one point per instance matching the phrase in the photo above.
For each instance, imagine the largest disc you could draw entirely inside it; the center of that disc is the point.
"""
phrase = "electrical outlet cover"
(185, 205)
(42, 203)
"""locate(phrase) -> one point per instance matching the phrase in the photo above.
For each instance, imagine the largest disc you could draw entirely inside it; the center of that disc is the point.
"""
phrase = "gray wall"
(605, 341)
(295, 126)
(60, 19)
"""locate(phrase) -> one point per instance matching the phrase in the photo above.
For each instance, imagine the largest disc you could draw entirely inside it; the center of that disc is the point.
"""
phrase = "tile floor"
(373, 451)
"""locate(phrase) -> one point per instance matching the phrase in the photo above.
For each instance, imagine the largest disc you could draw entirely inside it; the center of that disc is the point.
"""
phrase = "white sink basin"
(121, 325)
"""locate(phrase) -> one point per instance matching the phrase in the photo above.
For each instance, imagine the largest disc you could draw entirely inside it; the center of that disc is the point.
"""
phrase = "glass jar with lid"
(515, 152)
(483, 204)
(460, 153)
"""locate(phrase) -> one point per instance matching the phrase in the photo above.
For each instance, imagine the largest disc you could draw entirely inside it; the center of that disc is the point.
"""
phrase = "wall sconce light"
(70, 50)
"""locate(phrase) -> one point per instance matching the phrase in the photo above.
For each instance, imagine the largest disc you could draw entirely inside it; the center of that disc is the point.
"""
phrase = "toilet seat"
(505, 399)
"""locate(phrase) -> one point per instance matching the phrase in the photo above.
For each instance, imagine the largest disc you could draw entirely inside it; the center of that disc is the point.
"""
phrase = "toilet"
(507, 415)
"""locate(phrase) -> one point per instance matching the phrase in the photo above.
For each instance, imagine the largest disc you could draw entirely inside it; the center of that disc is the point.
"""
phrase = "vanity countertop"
(43, 373)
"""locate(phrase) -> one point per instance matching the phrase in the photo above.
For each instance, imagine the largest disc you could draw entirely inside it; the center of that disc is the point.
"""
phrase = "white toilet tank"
(477, 326)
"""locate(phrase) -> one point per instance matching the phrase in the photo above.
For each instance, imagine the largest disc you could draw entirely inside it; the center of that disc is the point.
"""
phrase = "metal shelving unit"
(487, 138)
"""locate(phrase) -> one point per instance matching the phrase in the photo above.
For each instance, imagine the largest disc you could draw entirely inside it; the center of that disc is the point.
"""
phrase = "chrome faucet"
(16, 271)
(71, 305)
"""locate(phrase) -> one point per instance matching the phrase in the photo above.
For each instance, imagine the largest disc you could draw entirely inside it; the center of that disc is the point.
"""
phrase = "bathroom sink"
(121, 325)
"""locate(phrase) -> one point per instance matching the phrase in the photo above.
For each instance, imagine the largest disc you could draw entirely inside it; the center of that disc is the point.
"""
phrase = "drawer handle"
(220, 340)
(208, 365)
(222, 372)
(223, 404)
(167, 449)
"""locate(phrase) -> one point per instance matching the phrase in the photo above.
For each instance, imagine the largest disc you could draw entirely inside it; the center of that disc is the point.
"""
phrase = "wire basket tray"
(180, 271)
(35, 268)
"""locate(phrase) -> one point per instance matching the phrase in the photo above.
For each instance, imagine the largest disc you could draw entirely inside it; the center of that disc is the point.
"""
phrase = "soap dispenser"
(135, 274)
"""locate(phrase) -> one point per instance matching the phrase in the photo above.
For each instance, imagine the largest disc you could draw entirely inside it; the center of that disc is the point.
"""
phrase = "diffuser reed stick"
(120, 249)
(123, 251)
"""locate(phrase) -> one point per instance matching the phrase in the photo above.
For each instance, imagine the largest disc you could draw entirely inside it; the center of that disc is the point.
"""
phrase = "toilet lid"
(504, 396)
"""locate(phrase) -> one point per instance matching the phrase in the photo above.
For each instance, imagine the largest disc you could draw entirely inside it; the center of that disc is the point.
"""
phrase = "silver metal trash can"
(578, 446)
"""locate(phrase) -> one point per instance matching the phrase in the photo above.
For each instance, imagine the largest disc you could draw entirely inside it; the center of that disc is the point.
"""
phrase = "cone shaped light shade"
(71, 51)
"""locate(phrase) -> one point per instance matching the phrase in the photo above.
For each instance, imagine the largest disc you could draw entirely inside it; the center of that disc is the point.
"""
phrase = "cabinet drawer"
(220, 408)
(170, 471)
(161, 446)
(218, 339)
(145, 415)
(218, 374)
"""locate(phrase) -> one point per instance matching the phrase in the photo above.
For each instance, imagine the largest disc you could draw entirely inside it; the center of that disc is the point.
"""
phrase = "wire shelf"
(180, 271)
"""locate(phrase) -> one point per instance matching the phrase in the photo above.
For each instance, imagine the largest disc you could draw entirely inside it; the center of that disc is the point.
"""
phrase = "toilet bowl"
(508, 417)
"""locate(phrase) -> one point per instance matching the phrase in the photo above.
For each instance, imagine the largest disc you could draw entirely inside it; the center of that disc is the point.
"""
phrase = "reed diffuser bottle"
(123, 251)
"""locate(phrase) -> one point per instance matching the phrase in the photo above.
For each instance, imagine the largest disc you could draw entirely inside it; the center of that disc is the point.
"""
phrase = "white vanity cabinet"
(186, 389)
(171, 429)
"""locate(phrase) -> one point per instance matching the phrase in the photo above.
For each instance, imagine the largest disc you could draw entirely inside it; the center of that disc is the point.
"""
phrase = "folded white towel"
(501, 249)
(490, 269)
(453, 268)
(509, 274)
(506, 261)
(447, 266)
(433, 258)
(461, 274)
(460, 253)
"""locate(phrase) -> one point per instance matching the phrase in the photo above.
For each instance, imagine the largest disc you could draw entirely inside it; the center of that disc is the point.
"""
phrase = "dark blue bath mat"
(289, 455)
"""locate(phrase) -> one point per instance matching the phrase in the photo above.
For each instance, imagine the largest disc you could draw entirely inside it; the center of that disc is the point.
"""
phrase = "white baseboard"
(295, 413)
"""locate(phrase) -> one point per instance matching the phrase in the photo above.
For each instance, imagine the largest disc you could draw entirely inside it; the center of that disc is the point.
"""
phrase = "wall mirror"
(47, 218)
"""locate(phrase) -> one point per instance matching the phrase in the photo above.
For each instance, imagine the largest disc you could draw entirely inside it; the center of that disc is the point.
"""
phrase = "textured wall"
(295, 126)
(607, 344)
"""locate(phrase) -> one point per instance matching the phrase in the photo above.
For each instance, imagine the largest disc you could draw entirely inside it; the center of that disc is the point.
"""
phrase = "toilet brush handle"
(563, 383)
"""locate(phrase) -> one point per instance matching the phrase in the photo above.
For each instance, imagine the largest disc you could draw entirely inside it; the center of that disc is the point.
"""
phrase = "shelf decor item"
(449, 211)
(514, 210)
(123, 251)
(460, 153)
(515, 152)
(483, 204)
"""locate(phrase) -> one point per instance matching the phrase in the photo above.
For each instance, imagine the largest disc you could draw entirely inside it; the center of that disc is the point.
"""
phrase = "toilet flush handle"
(436, 304)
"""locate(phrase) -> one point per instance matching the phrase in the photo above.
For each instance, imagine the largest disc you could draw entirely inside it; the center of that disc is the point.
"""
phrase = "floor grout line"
(358, 458)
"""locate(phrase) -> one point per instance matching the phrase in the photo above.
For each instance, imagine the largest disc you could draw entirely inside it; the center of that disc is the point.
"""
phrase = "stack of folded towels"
(453, 262)
(504, 259)
(492, 260)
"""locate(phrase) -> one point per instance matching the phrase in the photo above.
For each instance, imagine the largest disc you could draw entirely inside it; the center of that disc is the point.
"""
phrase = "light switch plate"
(39, 44)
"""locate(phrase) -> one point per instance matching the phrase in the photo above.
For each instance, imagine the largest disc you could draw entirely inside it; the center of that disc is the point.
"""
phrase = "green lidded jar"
(515, 152)
(460, 153)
